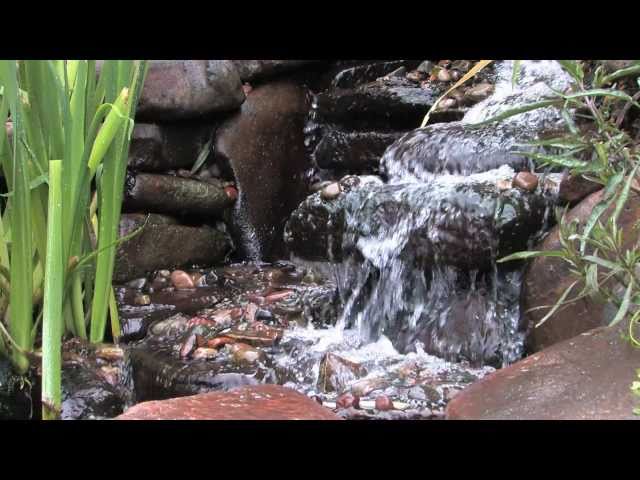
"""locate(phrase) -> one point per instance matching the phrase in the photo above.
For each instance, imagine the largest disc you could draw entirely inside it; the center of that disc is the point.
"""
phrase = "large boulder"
(165, 244)
(189, 89)
(151, 192)
(158, 148)
(263, 402)
(264, 145)
(587, 377)
(548, 277)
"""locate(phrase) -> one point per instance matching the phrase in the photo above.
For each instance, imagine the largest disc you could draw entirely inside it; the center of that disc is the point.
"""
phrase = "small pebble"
(142, 300)
(447, 103)
(479, 92)
(231, 192)
(348, 400)
(204, 353)
(384, 403)
(415, 76)
(138, 283)
(331, 191)
(425, 67)
(182, 280)
(444, 75)
(526, 181)
(188, 346)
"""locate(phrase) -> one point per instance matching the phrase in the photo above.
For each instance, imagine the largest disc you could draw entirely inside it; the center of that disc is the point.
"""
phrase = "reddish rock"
(526, 181)
(348, 400)
(257, 334)
(548, 277)
(181, 280)
(188, 89)
(262, 402)
(587, 377)
(384, 403)
(575, 188)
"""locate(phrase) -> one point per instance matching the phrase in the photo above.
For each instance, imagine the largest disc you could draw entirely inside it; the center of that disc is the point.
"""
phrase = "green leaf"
(558, 303)
(531, 254)
(602, 262)
(517, 111)
(573, 68)
(624, 306)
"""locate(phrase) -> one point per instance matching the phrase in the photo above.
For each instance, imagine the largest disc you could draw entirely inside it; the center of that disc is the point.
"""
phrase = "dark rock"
(360, 74)
(376, 106)
(157, 148)
(15, 394)
(250, 70)
(162, 243)
(264, 145)
(86, 395)
(547, 278)
(264, 402)
(587, 377)
(189, 89)
(467, 228)
(353, 152)
(175, 195)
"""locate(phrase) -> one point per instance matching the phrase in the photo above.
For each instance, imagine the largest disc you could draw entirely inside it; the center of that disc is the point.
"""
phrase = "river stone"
(263, 402)
(163, 243)
(250, 70)
(87, 396)
(157, 148)
(189, 89)
(264, 145)
(152, 192)
(453, 222)
(587, 377)
(548, 277)
(352, 152)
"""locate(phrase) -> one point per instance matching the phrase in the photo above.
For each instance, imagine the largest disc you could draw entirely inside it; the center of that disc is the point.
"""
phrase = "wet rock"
(384, 403)
(360, 74)
(348, 400)
(459, 228)
(163, 243)
(337, 372)
(181, 280)
(393, 98)
(250, 70)
(156, 193)
(204, 353)
(425, 67)
(331, 191)
(547, 278)
(264, 146)
(87, 395)
(478, 92)
(244, 354)
(583, 378)
(15, 394)
(142, 300)
(188, 346)
(158, 148)
(256, 334)
(138, 283)
(353, 152)
(526, 181)
(574, 188)
(189, 89)
(264, 402)
(444, 75)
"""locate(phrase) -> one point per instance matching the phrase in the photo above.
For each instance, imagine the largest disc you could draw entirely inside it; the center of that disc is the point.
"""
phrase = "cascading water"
(415, 258)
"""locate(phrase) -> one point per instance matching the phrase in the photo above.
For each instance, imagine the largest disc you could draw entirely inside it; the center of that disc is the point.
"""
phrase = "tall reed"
(71, 130)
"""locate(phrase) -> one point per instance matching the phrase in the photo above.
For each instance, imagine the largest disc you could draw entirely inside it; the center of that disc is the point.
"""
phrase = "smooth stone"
(263, 402)
(384, 403)
(189, 89)
(526, 181)
(164, 243)
(331, 191)
(587, 377)
(547, 278)
(182, 280)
